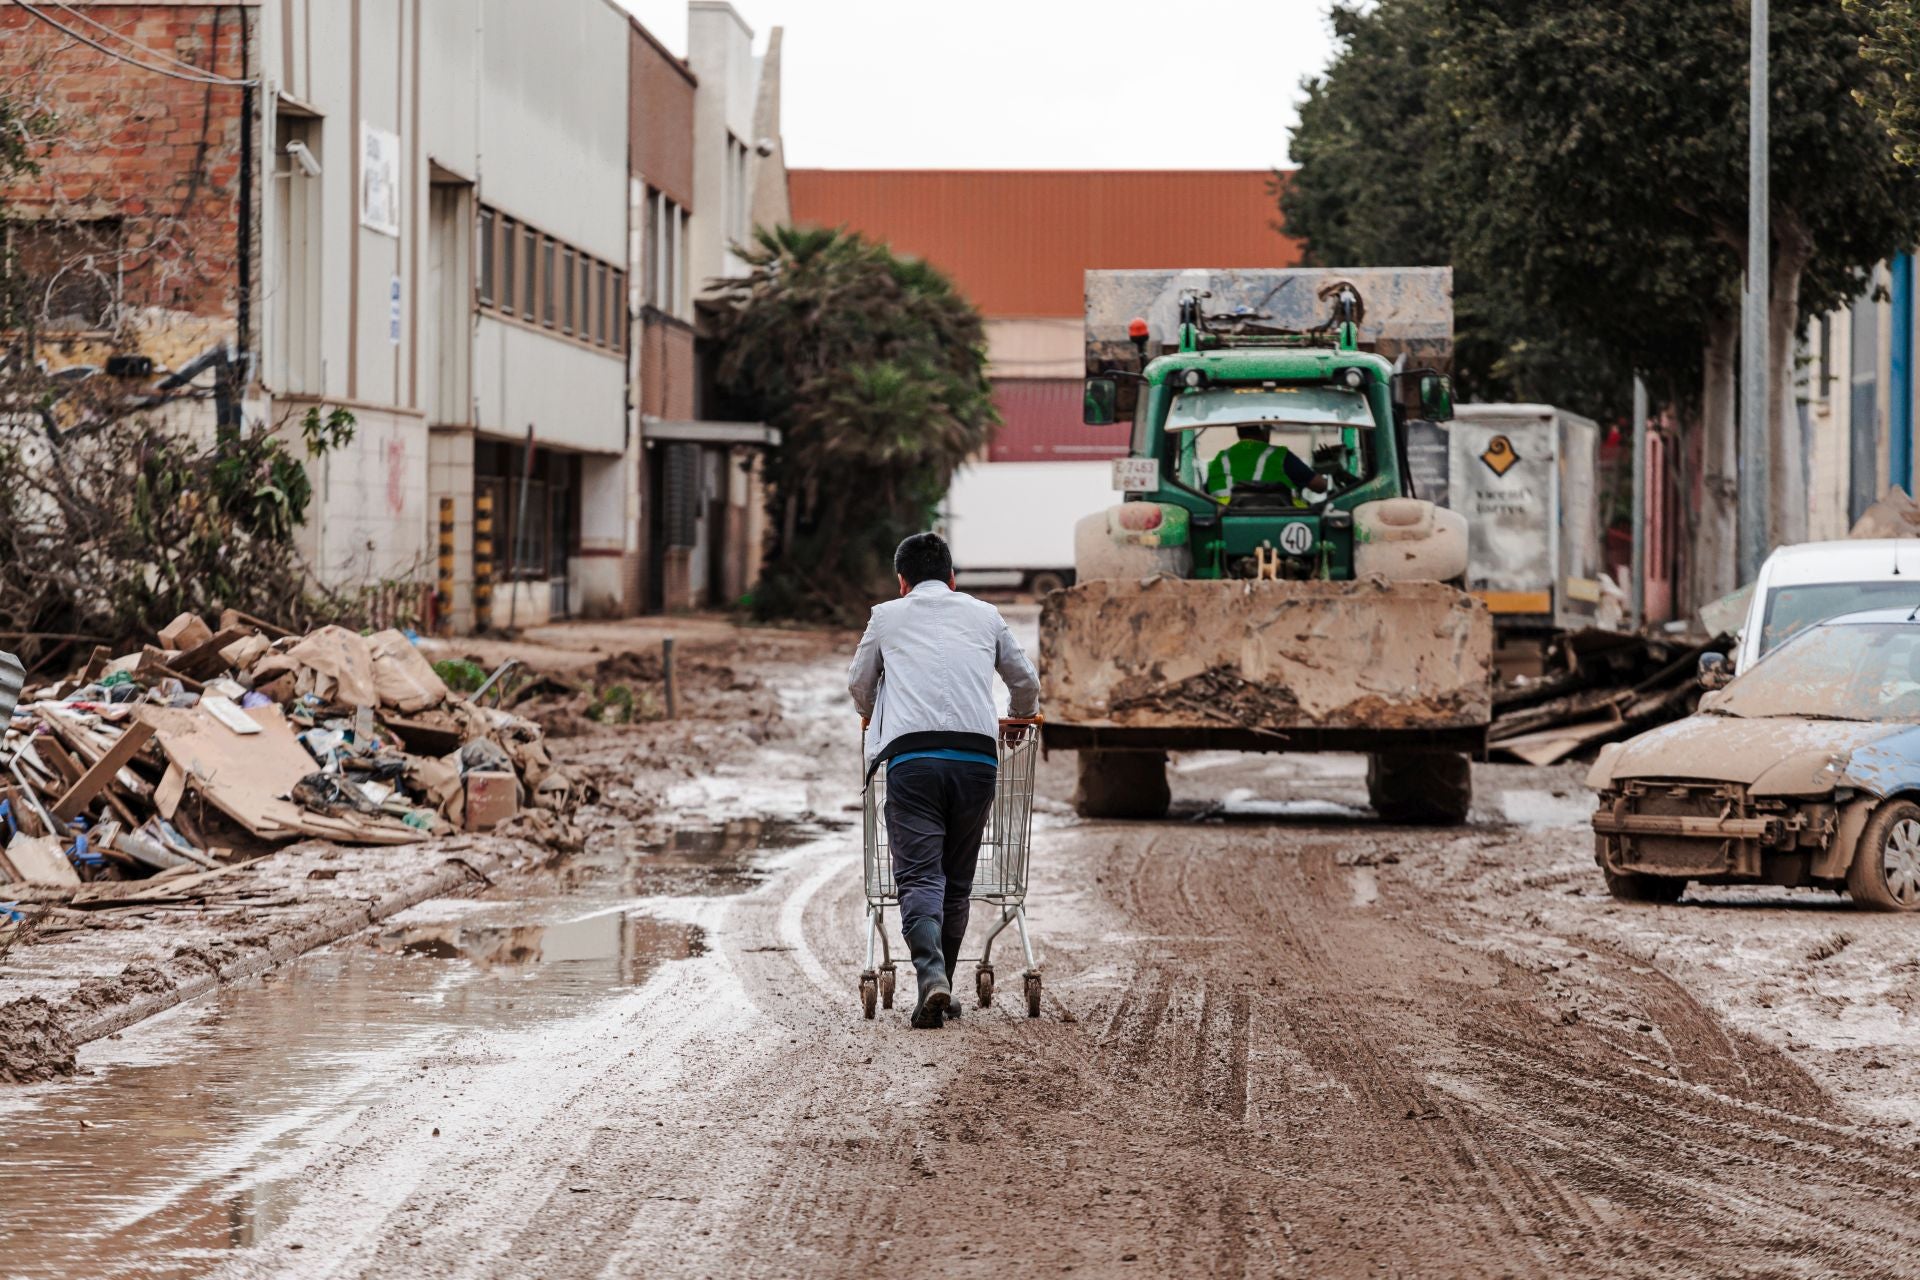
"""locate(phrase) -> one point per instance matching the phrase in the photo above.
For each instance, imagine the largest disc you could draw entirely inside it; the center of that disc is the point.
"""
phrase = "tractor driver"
(1251, 458)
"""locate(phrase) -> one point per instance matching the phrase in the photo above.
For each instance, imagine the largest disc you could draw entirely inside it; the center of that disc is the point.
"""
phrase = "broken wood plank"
(95, 780)
(96, 664)
(166, 797)
(230, 618)
(68, 770)
(203, 661)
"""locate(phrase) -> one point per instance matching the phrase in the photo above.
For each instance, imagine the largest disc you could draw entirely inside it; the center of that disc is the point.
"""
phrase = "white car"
(1811, 582)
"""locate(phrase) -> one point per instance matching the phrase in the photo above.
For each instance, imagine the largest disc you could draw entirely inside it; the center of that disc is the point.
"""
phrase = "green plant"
(109, 528)
(460, 674)
(874, 369)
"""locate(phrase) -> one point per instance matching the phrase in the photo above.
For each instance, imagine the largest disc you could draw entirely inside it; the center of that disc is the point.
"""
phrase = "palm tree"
(874, 370)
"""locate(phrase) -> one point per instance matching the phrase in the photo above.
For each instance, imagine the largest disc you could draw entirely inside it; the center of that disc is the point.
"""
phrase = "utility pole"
(1754, 416)
(1639, 473)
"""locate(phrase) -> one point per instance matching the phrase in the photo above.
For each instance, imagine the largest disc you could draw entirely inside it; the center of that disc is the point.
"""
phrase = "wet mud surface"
(1279, 1038)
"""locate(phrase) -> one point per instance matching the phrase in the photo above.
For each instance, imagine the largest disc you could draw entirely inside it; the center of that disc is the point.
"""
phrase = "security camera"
(764, 146)
(309, 165)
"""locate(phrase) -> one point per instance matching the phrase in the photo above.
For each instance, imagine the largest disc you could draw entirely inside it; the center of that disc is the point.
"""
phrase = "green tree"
(1892, 44)
(1584, 165)
(874, 370)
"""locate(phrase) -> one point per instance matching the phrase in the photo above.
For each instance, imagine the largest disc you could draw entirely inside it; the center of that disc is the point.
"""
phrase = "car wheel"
(1631, 886)
(1885, 875)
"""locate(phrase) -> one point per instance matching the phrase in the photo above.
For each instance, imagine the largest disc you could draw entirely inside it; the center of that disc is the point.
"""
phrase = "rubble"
(1601, 686)
(219, 743)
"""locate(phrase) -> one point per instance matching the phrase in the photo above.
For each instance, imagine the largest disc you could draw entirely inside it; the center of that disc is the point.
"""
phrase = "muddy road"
(1279, 1038)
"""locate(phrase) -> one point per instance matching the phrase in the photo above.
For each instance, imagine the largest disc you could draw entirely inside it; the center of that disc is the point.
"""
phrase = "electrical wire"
(204, 78)
(98, 25)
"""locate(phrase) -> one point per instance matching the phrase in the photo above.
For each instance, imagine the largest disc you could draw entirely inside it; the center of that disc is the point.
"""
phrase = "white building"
(444, 241)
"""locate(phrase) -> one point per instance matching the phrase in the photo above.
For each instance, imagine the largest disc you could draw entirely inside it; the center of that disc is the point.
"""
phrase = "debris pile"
(218, 742)
(1601, 686)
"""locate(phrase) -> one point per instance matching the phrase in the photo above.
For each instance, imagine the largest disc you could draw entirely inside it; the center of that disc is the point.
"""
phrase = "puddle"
(1542, 810)
(185, 1136)
(1241, 804)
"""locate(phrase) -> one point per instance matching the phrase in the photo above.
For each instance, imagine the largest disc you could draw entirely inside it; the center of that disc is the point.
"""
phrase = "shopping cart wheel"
(869, 993)
(1033, 995)
(983, 984)
(886, 988)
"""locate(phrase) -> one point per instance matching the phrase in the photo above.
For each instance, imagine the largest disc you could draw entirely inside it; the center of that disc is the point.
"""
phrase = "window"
(547, 251)
(682, 271)
(584, 330)
(529, 249)
(541, 280)
(738, 209)
(486, 257)
(70, 273)
(509, 240)
(663, 260)
(617, 329)
(650, 250)
(600, 304)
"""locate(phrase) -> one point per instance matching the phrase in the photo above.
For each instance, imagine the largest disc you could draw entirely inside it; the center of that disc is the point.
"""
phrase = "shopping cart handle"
(1011, 720)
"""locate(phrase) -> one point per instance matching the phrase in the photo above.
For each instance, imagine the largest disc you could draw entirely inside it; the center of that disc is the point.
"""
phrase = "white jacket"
(923, 674)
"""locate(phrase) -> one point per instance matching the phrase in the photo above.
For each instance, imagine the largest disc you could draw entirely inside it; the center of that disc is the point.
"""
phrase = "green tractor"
(1270, 582)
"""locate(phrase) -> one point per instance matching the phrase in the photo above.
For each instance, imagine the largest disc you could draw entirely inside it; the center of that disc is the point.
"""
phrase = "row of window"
(664, 282)
(527, 274)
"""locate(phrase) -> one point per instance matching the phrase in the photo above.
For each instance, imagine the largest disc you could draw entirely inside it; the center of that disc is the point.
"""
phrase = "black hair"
(1253, 431)
(924, 557)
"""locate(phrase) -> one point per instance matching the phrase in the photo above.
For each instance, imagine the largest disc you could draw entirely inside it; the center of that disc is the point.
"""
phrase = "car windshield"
(1326, 428)
(1791, 610)
(1857, 671)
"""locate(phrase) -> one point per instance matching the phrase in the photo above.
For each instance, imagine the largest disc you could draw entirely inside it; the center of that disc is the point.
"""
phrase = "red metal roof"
(1017, 241)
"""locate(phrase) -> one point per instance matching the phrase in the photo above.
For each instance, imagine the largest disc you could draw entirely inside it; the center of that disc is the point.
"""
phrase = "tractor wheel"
(1046, 582)
(1433, 788)
(1122, 784)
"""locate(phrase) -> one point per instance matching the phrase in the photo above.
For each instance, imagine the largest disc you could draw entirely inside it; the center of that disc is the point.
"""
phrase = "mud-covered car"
(1804, 770)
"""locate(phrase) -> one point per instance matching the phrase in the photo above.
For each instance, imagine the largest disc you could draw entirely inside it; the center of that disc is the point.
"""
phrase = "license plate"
(1136, 475)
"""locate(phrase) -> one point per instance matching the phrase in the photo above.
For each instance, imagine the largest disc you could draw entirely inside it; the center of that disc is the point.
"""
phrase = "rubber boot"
(930, 973)
(950, 952)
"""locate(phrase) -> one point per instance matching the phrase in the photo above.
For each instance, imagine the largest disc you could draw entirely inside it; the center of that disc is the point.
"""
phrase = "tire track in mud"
(1510, 1164)
(1264, 1073)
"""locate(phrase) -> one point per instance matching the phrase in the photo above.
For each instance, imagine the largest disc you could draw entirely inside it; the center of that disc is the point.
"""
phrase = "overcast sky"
(1032, 84)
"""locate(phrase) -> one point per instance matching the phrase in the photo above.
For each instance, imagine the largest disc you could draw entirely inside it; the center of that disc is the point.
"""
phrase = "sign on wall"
(380, 181)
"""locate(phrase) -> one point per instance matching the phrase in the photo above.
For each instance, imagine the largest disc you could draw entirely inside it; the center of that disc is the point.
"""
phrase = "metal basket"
(1000, 877)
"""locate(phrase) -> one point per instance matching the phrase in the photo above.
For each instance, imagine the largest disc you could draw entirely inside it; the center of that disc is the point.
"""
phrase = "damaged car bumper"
(1718, 831)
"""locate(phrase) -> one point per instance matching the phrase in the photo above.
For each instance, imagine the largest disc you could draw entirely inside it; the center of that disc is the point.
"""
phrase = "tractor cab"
(1267, 440)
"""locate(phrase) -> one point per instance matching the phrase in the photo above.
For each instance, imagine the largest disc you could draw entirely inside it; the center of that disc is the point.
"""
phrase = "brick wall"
(661, 127)
(667, 368)
(159, 155)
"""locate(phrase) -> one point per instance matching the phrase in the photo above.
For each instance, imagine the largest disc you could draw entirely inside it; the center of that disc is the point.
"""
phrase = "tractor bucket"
(1176, 664)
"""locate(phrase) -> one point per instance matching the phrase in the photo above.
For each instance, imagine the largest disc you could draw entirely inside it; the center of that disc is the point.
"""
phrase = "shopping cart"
(1000, 880)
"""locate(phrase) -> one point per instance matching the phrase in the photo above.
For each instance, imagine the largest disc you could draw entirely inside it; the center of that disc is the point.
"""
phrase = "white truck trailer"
(1010, 524)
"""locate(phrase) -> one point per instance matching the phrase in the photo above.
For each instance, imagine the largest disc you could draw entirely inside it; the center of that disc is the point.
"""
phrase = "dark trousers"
(936, 812)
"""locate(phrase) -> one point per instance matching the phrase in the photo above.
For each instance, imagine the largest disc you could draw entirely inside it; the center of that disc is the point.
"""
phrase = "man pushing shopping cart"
(922, 679)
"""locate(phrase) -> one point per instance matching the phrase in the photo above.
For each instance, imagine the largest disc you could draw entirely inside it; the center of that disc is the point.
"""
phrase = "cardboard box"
(493, 796)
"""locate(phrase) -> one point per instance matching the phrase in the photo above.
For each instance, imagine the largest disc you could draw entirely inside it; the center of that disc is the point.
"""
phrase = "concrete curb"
(189, 980)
